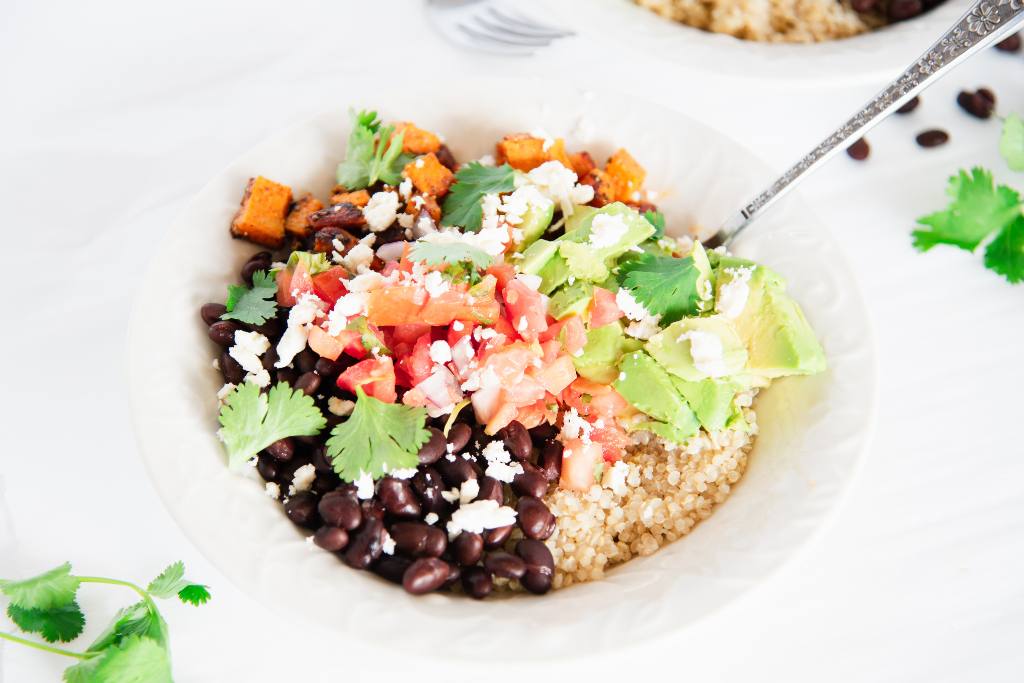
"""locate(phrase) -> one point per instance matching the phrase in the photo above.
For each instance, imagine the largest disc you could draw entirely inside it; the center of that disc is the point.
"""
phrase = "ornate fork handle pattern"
(988, 21)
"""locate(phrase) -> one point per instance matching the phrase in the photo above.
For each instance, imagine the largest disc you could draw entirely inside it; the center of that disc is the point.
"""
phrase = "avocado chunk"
(535, 222)
(637, 229)
(705, 279)
(649, 389)
(583, 261)
(553, 274)
(571, 300)
(579, 215)
(719, 349)
(710, 399)
(537, 256)
(778, 338)
(600, 357)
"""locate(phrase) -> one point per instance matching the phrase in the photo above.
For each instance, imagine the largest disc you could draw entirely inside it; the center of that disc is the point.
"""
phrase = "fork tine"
(525, 23)
(487, 37)
(498, 29)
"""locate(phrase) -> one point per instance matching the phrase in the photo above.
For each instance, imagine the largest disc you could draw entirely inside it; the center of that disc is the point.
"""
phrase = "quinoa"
(670, 488)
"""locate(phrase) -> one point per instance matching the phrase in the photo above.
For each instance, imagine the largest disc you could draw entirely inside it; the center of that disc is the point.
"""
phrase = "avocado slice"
(649, 389)
(579, 215)
(772, 326)
(600, 357)
(584, 262)
(571, 300)
(553, 273)
(705, 279)
(535, 222)
(672, 349)
(638, 229)
(537, 256)
(710, 399)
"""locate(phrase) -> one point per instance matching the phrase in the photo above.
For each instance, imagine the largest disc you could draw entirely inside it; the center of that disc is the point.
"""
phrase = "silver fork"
(985, 23)
(492, 26)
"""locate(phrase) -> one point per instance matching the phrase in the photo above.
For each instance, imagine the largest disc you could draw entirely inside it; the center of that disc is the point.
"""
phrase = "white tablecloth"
(114, 113)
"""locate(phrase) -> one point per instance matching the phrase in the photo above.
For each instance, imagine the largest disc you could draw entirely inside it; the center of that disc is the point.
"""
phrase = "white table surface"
(115, 113)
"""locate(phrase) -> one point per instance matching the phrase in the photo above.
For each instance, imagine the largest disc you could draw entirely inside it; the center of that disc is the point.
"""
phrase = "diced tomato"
(409, 333)
(609, 405)
(437, 393)
(526, 391)
(455, 305)
(328, 285)
(401, 305)
(551, 349)
(465, 330)
(612, 440)
(503, 272)
(395, 306)
(573, 335)
(505, 413)
(375, 375)
(417, 363)
(284, 288)
(578, 462)
(526, 310)
(543, 411)
(503, 327)
(556, 375)
(553, 331)
(603, 309)
(324, 344)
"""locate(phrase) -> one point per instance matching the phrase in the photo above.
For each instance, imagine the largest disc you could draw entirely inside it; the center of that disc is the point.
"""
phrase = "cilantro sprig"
(657, 219)
(474, 180)
(1011, 144)
(372, 153)
(254, 306)
(666, 286)
(441, 253)
(251, 421)
(377, 438)
(133, 648)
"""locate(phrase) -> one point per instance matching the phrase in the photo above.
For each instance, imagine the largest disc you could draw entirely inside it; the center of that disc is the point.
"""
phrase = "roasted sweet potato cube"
(626, 174)
(297, 222)
(417, 140)
(521, 151)
(604, 189)
(260, 218)
(582, 163)
(343, 215)
(323, 240)
(556, 152)
(419, 203)
(429, 175)
(358, 198)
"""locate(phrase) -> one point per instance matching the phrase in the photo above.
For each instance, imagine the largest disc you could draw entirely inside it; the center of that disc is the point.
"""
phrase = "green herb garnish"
(666, 286)
(657, 219)
(372, 154)
(440, 253)
(253, 306)
(1011, 144)
(462, 205)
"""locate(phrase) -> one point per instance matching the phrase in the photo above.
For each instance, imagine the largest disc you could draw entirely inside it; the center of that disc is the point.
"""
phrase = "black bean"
(543, 433)
(979, 104)
(230, 369)
(899, 10)
(863, 6)
(392, 568)
(331, 538)
(301, 509)
(477, 582)
(933, 138)
(325, 483)
(223, 332)
(456, 471)
(341, 509)
(308, 383)
(271, 329)
(398, 498)
(327, 368)
(859, 150)
(282, 450)
(467, 548)
(321, 461)
(267, 467)
(988, 95)
(454, 572)
(372, 508)
(495, 538)
(286, 375)
(305, 360)
(534, 518)
(459, 435)
(416, 539)
(251, 266)
(491, 489)
(1011, 44)
(910, 106)
(211, 313)
(505, 565)
(551, 460)
(366, 546)
(540, 565)
(269, 358)
(425, 575)
(447, 159)
(428, 486)
(434, 448)
(517, 440)
(531, 482)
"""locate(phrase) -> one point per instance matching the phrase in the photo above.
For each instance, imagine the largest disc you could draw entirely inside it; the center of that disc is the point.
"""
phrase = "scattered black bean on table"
(1010, 44)
(859, 150)
(932, 138)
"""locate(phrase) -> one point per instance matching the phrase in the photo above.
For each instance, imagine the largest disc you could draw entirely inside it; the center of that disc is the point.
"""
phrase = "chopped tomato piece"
(410, 332)
(574, 335)
(544, 410)
(612, 440)
(328, 285)
(505, 413)
(465, 329)
(551, 349)
(375, 375)
(455, 305)
(417, 363)
(603, 309)
(328, 346)
(553, 331)
(557, 375)
(503, 272)
(526, 310)
(292, 284)
(578, 462)
(284, 288)
(401, 305)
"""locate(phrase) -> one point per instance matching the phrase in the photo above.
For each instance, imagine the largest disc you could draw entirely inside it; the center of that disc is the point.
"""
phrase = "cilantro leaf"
(134, 660)
(170, 581)
(135, 620)
(979, 208)
(438, 253)
(462, 205)
(254, 306)
(1005, 254)
(251, 421)
(371, 154)
(62, 623)
(48, 590)
(376, 438)
(1011, 144)
(666, 286)
(657, 219)
(315, 262)
(194, 594)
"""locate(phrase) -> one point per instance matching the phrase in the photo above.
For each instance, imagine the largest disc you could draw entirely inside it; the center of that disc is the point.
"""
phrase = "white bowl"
(871, 57)
(814, 431)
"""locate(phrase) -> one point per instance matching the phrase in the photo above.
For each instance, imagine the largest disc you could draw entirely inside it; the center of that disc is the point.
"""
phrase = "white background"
(112, 114)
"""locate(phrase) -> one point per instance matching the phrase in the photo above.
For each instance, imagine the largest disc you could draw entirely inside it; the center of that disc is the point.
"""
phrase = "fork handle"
(986, 22)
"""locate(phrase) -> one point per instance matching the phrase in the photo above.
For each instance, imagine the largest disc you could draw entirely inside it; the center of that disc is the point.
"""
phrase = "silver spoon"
(986, 22)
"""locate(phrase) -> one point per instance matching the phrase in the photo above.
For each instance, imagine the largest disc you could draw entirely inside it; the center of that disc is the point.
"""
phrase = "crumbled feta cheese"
(464, 494)
(303, 479)
(542, 134)
(615, 478)
(435, 283)
(491, 240)
(575, 427)
(387, 544)
(630, 307)
(392, 251)
(216, 364)
(224, 391)
(644, 329)
(293, 341)
(403, 473)
(247, 349)
(382, 209)
(340, 406)
(606, 230)
(458, 326)
(424, 226)
(364, 486)
(531, 281)
(440, 352)
(500, 465)
(486, 160)
(406, 220)
(558, 184)
(405, 188)
(358, 258)
(707, 352)
(479, 516)
(431, 518)
(733, 295)
(419, 162)
(515, 204)
(369, 281)
(272, 490)
(348, 306)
